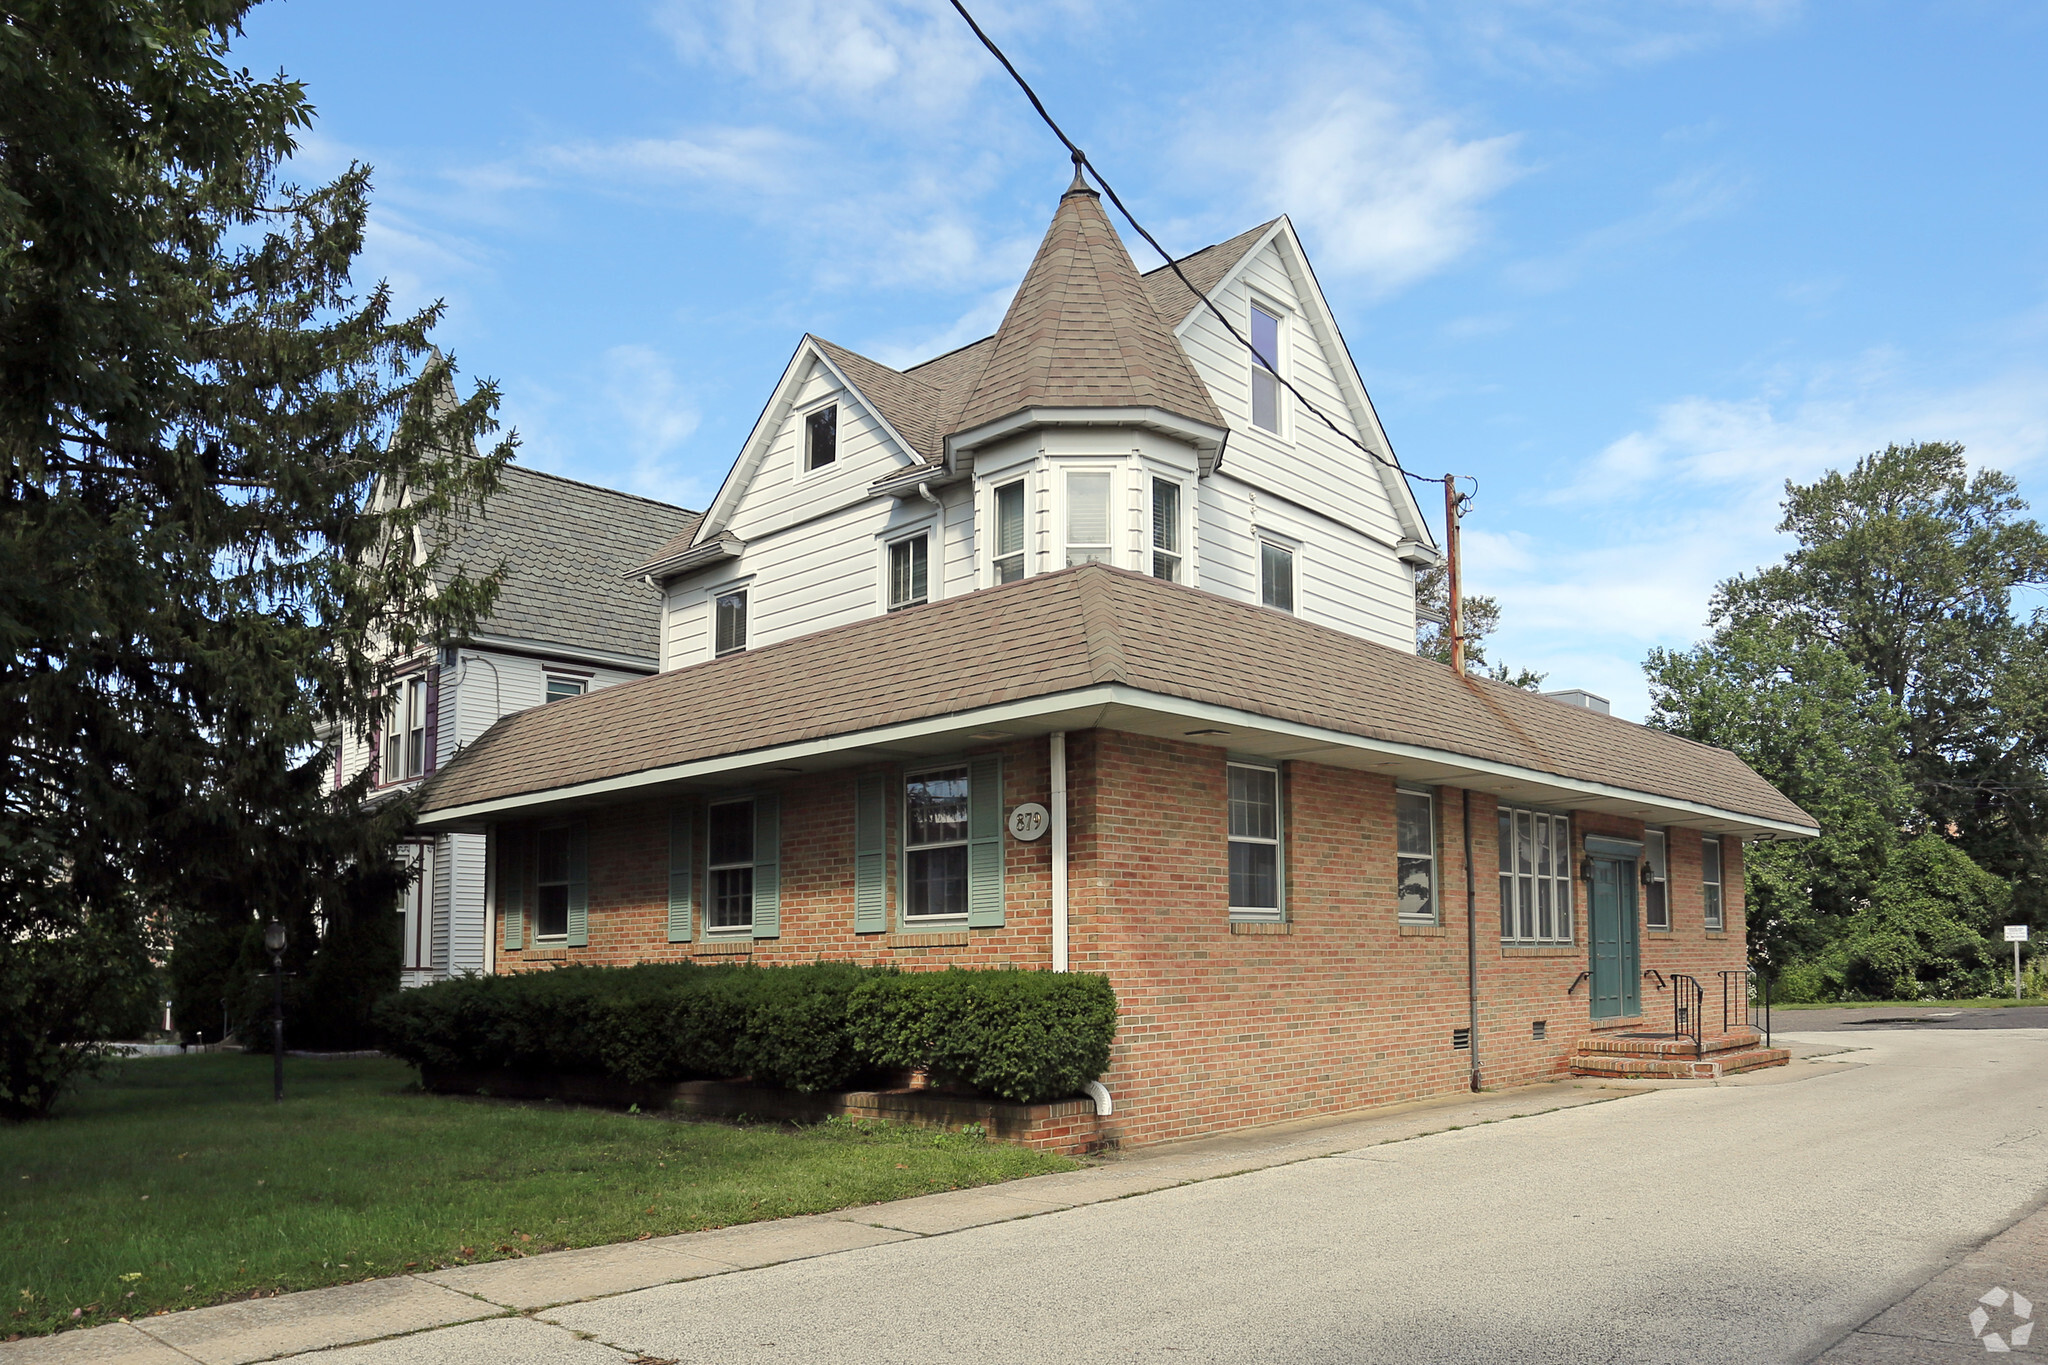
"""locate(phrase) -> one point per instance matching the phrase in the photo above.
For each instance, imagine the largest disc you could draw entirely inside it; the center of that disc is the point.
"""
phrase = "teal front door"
(1616, 970)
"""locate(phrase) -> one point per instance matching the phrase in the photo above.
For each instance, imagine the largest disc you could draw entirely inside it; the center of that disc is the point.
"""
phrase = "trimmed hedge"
(1027, 1036)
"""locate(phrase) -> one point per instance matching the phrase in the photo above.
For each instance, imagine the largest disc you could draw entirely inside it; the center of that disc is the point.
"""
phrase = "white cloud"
(1568, 40)
(643, 398)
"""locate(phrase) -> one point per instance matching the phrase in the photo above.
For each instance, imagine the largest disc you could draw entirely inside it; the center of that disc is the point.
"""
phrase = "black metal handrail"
(1735, 990)
(1653, 972)
(1582, 976)
(1688, 1001)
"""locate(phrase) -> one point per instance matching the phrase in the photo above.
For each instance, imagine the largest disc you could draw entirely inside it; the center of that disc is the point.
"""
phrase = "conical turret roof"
(1082, 331)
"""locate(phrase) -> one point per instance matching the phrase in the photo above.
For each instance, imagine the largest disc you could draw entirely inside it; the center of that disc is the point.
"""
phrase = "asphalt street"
(1861, 1019)
(1757, 1220)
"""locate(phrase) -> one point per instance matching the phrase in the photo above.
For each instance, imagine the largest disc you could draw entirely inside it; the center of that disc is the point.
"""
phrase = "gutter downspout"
(1059, 850)
(1471, 944)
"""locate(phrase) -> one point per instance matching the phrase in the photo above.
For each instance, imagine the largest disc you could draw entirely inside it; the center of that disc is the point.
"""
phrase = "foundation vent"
(1461, 1038)
(1538, 1029)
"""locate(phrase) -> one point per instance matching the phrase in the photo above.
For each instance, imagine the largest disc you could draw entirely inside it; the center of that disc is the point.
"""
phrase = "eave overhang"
(1207, 439)
(1118, 706)
(725, 545)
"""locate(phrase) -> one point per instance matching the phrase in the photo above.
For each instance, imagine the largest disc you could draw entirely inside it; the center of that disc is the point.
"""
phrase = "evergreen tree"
(194, 403)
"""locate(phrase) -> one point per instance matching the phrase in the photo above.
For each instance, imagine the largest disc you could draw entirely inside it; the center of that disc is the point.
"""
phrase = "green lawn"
(1988, 1002)
(176, 1182)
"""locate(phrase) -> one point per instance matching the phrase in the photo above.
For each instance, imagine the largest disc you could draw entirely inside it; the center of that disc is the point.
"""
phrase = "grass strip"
(177, 1182)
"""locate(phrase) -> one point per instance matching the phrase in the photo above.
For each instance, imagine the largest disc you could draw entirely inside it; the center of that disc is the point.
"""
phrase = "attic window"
(1266, 370)
(821, 436)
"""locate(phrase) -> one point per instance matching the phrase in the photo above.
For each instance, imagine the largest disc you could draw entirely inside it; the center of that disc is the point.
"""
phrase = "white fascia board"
(764, 427)
(1100, 699)
(1200, 435)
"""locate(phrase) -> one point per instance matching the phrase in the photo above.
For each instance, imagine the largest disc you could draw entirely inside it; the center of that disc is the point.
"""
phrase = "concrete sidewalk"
(321, 1319)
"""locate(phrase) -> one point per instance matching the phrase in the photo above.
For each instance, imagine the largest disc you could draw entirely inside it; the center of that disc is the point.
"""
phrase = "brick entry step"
(1659, 1056)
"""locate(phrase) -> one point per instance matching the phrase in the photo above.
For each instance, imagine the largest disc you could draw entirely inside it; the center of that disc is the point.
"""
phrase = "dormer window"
(909, 572)
(1009, 539)
(1266, 370)
(821, 437)
(1088, 517)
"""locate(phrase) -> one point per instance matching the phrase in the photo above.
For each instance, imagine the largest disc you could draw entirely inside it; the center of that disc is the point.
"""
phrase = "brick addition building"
(1089, 647)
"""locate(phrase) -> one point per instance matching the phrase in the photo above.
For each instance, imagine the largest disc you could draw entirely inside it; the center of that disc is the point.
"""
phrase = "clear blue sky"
(1632, 264)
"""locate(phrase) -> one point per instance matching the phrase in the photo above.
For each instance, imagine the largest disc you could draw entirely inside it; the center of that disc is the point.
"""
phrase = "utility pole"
(1457, 584)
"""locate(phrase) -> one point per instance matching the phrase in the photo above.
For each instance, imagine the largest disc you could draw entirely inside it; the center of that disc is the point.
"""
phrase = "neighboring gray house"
(568, 620)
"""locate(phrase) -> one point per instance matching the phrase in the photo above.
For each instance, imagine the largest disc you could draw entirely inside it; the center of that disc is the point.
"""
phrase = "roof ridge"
(600, 488)
(1204, 250)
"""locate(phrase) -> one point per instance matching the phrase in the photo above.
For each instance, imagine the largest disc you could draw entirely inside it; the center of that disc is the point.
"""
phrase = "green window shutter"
(579, 887)
(511, 891)
(767, 867)
(985, 843)
(870, 856)
(679, 855)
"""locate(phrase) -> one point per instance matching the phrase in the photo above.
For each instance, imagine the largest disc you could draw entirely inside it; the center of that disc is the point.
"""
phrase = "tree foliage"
(1481, 618)
(194, 403)
(1881, 677)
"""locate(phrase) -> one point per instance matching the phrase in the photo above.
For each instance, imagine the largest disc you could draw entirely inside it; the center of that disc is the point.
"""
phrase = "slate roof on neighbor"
(567, 547)
(1062, 632)
(1084, 330)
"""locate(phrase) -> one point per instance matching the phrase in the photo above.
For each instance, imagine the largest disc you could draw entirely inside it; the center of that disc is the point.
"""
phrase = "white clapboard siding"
(1312, 465)
(780, 492)
(464, 909)
(1342, 580)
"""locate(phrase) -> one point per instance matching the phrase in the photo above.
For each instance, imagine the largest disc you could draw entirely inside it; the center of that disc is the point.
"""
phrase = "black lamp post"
(273, 939)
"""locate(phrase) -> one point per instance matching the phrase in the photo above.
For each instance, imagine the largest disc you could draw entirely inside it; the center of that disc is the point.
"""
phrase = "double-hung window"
(1276, 576)
(561, 689)
(729, 621)
(1254, 841)
(729, 908)
(551, 896)
(1088, 517)
(909, 571)
(415, 907)
(935, 844)
(821, 437)
(1710, 882)
(1656, 888)
(1166, 534)
(405, 739)
(1535, 877)
(1009, 538)
(1266, 369)
(1415, 856)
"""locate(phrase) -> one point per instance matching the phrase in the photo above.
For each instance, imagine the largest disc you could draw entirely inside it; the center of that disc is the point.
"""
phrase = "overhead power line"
(1081, 160)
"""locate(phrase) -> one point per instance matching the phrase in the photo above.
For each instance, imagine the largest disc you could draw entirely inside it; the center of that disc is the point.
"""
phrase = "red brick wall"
(1223, 1026)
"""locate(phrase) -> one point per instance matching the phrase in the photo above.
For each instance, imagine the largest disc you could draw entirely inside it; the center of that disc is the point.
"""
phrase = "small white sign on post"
(2015, 934)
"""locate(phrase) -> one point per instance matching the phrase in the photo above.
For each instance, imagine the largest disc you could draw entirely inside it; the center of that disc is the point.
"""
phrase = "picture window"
(1535, 877)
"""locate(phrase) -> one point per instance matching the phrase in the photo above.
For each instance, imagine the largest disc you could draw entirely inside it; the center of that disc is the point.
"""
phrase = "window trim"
(712, 869)
(920, 536)
(540, 884)
(1178, 551)
(1713, 909)
(1564, 912)
(399, 739)
(743, 590)
(551, 679)
(804, 467)
(1259, 914)
(905, 848)
(1657, 859)
(1022, 554)
(1281, 316)
(1435, 916)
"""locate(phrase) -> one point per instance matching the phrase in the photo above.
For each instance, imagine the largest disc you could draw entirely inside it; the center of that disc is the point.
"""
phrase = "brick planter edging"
(1066, 1126)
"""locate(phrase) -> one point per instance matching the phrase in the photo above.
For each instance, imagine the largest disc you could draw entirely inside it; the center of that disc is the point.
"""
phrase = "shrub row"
(1026, 1036)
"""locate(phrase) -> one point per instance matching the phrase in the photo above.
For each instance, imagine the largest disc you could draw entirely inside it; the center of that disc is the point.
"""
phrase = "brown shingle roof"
(1062, 632)
(1083, 332)
(1205, 270)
